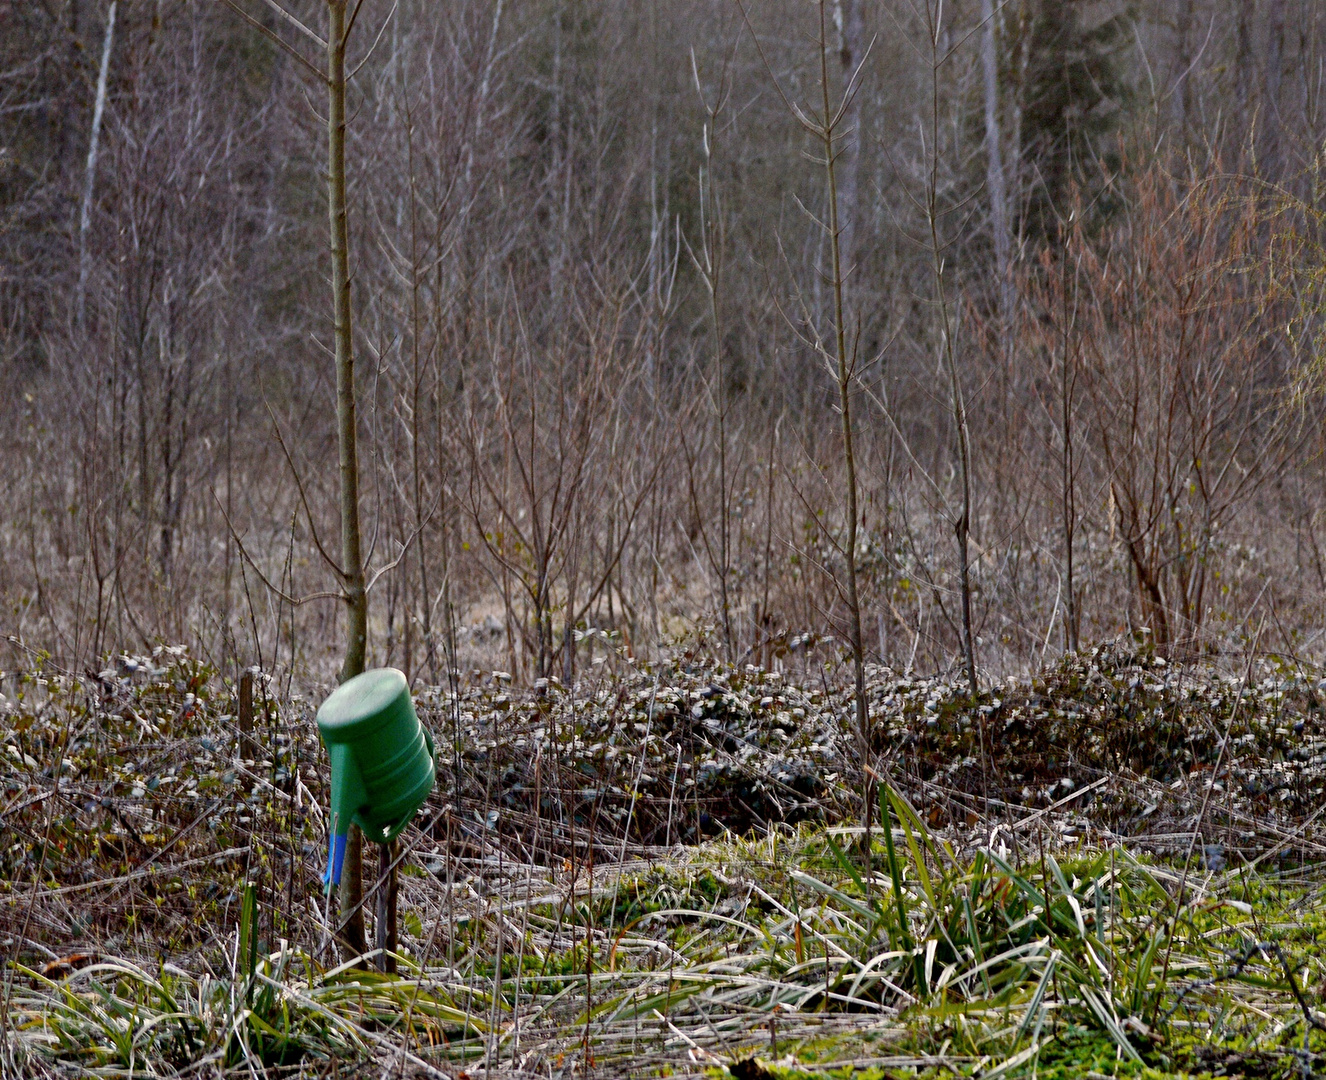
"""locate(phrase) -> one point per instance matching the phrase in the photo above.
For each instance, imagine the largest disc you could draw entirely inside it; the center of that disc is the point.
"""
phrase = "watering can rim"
(367, 694)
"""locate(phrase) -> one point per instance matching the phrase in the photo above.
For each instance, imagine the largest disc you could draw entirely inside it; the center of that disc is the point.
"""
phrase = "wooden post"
(385, 923)
(248, 748)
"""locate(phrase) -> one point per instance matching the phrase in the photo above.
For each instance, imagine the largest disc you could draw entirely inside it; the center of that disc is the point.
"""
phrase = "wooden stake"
(385, 924)
(248, 748)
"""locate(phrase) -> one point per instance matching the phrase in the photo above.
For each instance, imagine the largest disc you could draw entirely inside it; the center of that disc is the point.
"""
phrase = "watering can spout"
(335, 860)
(347, 797)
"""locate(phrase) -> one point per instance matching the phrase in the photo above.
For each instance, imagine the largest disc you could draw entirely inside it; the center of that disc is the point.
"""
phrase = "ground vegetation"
(843, 481)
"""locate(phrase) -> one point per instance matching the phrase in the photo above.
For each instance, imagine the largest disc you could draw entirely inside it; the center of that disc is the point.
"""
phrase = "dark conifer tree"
(1074, 94)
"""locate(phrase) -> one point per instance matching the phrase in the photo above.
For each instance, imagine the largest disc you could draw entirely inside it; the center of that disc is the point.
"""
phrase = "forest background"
(1080, 251)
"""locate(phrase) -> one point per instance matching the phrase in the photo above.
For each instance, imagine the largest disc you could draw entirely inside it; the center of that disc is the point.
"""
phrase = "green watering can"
(381, 760)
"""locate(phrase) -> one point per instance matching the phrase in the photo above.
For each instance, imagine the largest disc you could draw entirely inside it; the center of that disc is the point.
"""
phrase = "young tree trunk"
(844, 364)
(957, 403)
(352, 565)
(1067, 469)
(852, 29)
(711, 263)
(994, 168)
(417, 402)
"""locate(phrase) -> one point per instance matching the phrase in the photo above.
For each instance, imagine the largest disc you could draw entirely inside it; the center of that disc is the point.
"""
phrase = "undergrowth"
(163, 916)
